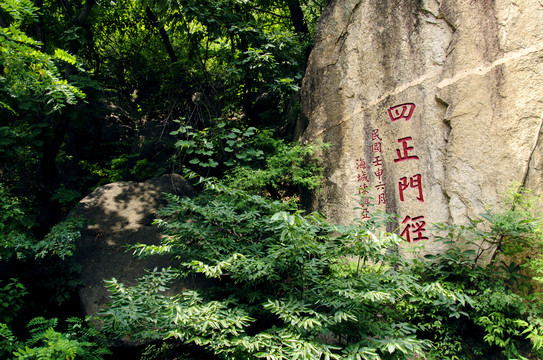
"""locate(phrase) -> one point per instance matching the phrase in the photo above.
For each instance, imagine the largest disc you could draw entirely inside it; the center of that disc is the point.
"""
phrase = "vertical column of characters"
(376, 150)
(363, 186)
(409, 185)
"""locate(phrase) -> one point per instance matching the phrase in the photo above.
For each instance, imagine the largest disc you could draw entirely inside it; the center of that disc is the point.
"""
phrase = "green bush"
(289, 286)
(251, 159)
(481, 260)
(79, 341)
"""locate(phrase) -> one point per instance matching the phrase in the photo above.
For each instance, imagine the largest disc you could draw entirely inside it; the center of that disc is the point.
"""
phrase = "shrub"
(289, 286)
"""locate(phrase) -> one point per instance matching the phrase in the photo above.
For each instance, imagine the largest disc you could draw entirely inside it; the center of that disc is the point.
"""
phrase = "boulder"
(433, 108)
(121, 214)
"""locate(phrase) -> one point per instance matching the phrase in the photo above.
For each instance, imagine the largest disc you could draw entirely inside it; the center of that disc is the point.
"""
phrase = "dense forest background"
(90, 91)
(96, 92)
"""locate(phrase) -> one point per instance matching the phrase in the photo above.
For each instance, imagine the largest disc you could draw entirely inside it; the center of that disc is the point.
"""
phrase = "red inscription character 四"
(405, 154)
(413, 182)
(375, 135)
(415, 226)
(403, 111)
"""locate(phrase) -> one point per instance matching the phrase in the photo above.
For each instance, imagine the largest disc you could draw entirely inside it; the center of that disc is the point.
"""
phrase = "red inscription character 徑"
(403, 111)
(414, 182)
(405, 154)
(415, 227)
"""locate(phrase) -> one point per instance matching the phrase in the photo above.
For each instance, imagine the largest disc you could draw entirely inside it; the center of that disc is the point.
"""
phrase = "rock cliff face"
(433, 108)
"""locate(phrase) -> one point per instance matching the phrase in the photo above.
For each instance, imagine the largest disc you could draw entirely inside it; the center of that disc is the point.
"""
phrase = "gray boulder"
(121, 214)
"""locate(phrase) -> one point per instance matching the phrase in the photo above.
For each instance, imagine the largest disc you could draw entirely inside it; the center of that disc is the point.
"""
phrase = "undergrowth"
(295, 286)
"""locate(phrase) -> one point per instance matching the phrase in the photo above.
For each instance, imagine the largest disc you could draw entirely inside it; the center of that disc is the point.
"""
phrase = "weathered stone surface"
(121, 214)
(472, 71)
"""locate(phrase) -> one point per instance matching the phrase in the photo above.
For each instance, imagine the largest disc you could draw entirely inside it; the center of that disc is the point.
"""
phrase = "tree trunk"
(163, 34)
(48, 175)
(49, 178)
(40, 36)
(297, 17)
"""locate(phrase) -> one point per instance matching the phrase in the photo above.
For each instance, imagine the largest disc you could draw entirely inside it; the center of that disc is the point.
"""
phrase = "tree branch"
(163, 34)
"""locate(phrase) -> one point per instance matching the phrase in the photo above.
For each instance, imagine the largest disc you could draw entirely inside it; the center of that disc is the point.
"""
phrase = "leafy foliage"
(252, 159)
(481, 260)
(11, 296)
(78, 341)
(287, 287)
(14, 227)
(293, 286)
(28, 73)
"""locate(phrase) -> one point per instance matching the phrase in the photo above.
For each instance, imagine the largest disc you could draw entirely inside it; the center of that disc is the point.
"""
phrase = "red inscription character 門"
(404, 155)
(415, 226)
(403, 111)
(413, 182)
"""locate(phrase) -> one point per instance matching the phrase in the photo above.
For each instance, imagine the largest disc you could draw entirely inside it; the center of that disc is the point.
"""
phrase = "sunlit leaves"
(279, 265)
(30, 75)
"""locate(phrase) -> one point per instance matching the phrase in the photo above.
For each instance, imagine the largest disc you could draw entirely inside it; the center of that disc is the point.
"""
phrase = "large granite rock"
(433, 108)
(121, 214)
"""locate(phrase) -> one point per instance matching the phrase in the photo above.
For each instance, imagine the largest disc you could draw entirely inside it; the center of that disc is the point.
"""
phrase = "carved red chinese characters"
(414, 182)
(415, 226)
(404, 154)
(401, 112)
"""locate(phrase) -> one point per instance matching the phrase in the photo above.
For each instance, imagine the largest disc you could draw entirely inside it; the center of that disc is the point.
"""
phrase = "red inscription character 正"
(414, 182)
(414, 226)
(404, 154)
